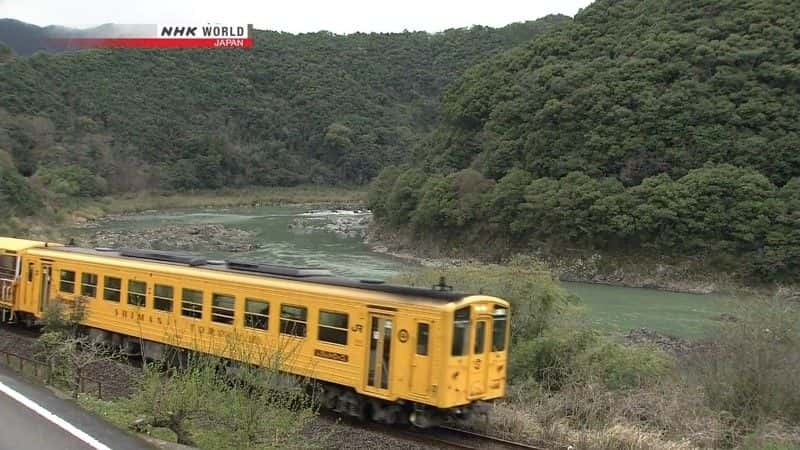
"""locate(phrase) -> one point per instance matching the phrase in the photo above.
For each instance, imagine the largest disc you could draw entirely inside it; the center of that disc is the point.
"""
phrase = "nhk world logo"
(162, 36)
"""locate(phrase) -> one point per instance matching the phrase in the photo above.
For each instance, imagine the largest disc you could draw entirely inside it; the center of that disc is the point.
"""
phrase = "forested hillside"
(309, 108)
(642, 126)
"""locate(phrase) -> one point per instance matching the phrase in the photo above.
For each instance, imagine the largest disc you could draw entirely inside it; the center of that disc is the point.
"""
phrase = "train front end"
(475, 359)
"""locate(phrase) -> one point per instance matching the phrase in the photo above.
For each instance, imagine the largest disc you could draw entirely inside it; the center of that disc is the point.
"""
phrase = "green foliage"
(71, 181)
(719, 212)
(295, 109)
(781, 255)
(205, 407)
(380, 190)
(620, 366)
(63, 317)
(452, 202)
(631, 89)
(405, 194)
(63, 347)
(567, 356)
(550, 359)
(15, 193)
(503, 201)
(637, 127)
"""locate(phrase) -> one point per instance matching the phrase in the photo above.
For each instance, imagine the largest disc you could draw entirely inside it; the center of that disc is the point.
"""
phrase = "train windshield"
(8, 267)
(461, 332)
(499, 328)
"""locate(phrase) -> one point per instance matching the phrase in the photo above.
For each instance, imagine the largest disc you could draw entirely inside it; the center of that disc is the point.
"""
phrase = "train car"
(395, 353)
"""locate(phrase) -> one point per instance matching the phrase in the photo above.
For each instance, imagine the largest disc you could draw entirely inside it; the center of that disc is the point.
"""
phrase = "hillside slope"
(636, 88)
(643, 126)
(317, 107)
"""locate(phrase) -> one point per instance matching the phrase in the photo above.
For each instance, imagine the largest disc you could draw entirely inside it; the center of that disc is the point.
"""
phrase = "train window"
(423, 331)
(112, 287)
(67, 284)
(222, 308)
(461, 332)
(480, 337)
(8, 267)
(137, 292)
(192, 303)
(163, 296)
(256, 314)
(499, 327)
(294, 320)
(332, 327)
(89, 285)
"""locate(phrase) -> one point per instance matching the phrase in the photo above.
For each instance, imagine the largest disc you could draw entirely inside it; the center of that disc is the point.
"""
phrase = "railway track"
(458, 438)
(440, 437)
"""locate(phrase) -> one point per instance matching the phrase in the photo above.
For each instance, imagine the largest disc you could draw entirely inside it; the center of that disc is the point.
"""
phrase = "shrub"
(243, 407)
(751, 371)
(550, 359)
(620, 366)
(72, 181)
(566, 356)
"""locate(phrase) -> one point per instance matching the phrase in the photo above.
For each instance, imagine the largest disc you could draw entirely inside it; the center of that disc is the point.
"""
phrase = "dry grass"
(669, 415)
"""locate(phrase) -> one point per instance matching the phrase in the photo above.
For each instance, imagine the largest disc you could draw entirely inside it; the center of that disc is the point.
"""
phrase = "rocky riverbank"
(196, 237)
(670, 344)
(342, 222)
(638, 271)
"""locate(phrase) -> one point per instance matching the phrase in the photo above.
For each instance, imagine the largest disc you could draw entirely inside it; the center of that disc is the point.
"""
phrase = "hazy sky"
(338, 16)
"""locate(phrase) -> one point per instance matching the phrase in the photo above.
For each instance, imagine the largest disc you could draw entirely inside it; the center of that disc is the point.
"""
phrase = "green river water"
(614, 309)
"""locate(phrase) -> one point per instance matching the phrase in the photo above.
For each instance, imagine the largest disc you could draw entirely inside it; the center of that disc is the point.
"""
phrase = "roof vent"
(286, 271)
(155, 255)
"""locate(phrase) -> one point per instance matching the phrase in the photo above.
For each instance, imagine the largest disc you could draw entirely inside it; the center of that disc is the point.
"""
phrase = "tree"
(436, 205)
(66, 351)
(15, 192)
(504, 201)
(381, 189)
(727, 208)
(404, 196)
(239, 406)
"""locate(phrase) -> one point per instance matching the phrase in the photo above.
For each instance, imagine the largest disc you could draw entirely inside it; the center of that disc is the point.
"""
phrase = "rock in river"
(199, 237)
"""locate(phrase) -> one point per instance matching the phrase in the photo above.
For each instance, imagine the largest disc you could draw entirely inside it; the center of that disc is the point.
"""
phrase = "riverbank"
(640, 271)
(683, 275)
(150, 201)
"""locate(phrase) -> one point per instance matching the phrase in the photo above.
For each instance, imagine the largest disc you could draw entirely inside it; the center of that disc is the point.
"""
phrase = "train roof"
(440, 293)
(14, 245)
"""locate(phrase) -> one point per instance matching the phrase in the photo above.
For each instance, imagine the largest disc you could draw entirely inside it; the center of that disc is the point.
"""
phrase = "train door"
(380, 353)
(479, 357)
(30, 285)
(46, 286)
(420, 361)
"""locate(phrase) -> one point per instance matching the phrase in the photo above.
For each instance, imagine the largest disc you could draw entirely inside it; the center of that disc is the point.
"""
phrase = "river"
(611, 308)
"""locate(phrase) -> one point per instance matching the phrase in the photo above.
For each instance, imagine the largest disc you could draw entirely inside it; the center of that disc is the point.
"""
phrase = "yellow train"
(395, 353)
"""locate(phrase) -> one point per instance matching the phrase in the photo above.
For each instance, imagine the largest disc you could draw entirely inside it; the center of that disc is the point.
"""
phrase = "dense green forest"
(309, 108)
(640, 126)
